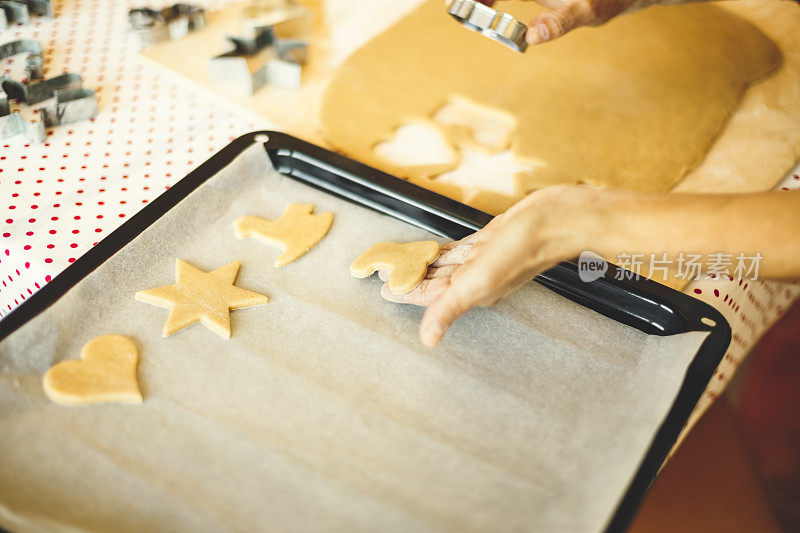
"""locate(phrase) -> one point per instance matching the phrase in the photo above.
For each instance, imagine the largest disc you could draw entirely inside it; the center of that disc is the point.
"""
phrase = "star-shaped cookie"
(198, 296)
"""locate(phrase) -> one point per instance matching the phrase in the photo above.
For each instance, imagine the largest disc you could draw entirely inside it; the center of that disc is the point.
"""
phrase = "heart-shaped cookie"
(105, 373)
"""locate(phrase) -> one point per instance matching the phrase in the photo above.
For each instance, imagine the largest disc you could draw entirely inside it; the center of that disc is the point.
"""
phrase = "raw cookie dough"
(635, 103)
(198, 296)
(296, 232)
(105, 373)
(407, 262)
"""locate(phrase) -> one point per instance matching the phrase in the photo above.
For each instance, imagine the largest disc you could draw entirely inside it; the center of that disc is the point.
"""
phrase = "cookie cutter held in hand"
(498, 26)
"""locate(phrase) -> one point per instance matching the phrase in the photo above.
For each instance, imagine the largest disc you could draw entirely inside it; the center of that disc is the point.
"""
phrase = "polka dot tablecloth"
(60, 198)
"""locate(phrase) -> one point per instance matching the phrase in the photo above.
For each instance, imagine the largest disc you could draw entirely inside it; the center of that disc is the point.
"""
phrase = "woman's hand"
(567, 15)
(546, 227)
(558, 223)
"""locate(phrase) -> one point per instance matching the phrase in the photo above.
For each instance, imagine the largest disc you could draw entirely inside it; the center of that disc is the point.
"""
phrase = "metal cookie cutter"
(69, 102)
(19, 11)
(14, 124)
(70, 105)
(263, 60)
(500, 27)
(173, 22)
(34, 68)
(34, 61)
(33, 93)
(272, 51)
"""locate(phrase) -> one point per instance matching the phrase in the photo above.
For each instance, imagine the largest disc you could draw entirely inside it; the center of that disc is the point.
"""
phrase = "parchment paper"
(324, 412)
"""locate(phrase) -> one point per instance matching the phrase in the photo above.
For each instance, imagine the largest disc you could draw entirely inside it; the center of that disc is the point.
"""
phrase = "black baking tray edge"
(638, 302)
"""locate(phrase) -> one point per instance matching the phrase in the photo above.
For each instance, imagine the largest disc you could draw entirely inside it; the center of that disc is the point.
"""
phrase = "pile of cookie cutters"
(20, 11)
(272, 50)
(497, 26)
(68, 100)
(173, 22)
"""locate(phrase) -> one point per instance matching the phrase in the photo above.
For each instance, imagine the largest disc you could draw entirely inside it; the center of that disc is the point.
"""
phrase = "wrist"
(600, 220)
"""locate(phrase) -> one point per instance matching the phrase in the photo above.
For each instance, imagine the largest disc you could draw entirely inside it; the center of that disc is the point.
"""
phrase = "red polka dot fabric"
(60, 198)
(750, 307)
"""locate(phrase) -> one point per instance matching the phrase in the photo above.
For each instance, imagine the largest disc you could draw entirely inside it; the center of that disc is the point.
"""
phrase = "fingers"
(554, 24)
(496, 268)
(433, 272)
(453, 256)
(422, 295)
(456, 252)
(452, 302)
(441, 272)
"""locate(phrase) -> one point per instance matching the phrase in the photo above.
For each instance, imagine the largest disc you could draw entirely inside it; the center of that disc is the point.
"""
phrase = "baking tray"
(639, 303)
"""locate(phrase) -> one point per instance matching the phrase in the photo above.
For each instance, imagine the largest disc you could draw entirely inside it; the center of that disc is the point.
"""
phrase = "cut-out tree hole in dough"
(407, 263)
(198, 296)
(295, 232)
(105, 373)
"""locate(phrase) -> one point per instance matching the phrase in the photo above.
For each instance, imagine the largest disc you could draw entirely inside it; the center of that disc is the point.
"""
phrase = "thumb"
(555, 23)
(467, 287)
(441, 314)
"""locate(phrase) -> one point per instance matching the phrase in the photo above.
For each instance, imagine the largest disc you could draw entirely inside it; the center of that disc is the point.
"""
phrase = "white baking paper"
(324, 411)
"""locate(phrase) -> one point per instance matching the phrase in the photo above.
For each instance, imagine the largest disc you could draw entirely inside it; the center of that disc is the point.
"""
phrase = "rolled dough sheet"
(761, 142)
(635, 103)
(326, 413)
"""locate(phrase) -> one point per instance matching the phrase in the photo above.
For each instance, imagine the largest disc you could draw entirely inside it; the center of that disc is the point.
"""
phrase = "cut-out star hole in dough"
(296, 232)
(105, 373)
(198, 296)
(407, 262)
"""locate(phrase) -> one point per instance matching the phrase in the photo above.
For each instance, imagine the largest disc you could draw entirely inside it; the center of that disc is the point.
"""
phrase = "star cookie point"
(198, 296)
